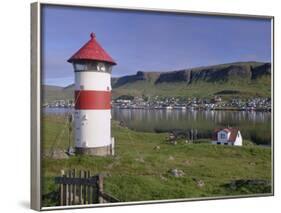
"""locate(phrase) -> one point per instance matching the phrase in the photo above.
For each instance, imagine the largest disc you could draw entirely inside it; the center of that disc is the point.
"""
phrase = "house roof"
(233, 133)
(92, 51)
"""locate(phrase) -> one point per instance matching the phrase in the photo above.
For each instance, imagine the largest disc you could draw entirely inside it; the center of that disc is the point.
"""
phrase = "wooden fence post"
(66, 190)
(62, 186)
(89, 189)
(85, 190)
(80, 188)
(70, 188)
(74, 188)
(100, 188)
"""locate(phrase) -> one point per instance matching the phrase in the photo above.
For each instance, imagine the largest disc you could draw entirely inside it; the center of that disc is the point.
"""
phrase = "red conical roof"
(92, 50)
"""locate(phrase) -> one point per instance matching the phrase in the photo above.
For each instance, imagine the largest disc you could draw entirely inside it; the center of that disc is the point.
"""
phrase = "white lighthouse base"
(97, 151)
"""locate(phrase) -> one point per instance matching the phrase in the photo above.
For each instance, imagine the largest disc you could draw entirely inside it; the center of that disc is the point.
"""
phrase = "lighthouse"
(92, 116)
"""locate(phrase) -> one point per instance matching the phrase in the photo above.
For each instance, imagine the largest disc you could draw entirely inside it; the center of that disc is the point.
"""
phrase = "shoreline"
(175, 109)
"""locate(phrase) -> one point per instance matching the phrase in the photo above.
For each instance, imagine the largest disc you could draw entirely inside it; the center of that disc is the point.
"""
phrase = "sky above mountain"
(148, 41)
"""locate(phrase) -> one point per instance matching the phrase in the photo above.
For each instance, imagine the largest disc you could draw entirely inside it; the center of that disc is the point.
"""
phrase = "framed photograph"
(137, 105)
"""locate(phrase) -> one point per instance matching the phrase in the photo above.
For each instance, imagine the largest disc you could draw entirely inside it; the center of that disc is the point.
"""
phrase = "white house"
(227, 136)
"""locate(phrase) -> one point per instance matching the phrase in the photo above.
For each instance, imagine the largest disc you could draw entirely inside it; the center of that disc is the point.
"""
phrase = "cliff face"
(244, 78)
(262, 70)
(218, 73)
(139, 76)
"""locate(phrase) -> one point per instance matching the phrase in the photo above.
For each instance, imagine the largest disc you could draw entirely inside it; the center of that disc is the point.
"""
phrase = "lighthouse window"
(92, 66)
(85, 66)
(80, 67)
(101, 67)
(109, 69)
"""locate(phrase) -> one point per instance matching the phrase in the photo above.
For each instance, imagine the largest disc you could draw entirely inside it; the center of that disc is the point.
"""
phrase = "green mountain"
(242, 79)
(51, 93)
(239, 79)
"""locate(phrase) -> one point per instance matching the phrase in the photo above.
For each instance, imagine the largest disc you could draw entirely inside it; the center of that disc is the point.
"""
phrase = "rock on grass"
(177, 173)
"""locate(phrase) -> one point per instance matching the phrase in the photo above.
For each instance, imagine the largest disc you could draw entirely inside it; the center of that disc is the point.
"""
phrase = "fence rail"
(77, 188)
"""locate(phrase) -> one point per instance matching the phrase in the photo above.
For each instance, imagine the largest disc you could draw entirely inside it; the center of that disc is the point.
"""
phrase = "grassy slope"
(51, 93)
(139, 172)
(260, 87)
(202, 87)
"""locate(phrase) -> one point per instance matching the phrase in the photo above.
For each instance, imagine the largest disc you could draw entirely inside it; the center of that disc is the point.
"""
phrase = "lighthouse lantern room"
(92, 67)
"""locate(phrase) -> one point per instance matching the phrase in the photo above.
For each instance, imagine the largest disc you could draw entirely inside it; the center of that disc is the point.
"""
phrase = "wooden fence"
(77, 188)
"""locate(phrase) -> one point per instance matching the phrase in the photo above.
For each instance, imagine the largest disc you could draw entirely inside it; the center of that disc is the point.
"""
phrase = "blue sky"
(149, 41)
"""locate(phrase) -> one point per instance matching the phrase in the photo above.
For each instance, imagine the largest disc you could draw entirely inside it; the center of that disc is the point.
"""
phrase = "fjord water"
(254, 126)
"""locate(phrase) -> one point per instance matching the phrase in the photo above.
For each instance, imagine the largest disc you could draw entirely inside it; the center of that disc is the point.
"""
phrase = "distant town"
(180, 103)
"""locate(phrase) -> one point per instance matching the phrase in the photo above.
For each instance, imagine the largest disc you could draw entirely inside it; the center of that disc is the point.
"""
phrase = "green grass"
(260, 87)
(138, 172)
(243, 88)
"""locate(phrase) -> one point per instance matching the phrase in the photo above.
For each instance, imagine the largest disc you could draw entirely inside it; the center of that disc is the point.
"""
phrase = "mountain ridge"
(211, 73)
(249, 78)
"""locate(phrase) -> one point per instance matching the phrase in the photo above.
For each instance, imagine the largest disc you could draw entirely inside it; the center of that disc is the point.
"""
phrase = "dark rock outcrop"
(218, 73)
(264, 69)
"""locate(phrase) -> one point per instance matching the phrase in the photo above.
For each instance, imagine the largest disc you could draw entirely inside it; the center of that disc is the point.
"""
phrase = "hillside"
(239, 79)
(142, 172)
(51, 93)
(243, 79)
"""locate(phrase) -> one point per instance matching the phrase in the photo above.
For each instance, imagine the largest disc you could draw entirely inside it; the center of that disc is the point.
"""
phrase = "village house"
(227, 136)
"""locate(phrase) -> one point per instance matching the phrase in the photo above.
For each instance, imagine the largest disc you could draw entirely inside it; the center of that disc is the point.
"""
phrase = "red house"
(227, 136)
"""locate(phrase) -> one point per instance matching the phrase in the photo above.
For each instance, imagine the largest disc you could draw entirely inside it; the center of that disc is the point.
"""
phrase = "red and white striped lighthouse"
(92, 66)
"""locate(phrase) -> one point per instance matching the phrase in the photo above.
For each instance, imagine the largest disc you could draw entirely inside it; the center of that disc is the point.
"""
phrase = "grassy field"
(139, 172)
(244, 89)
